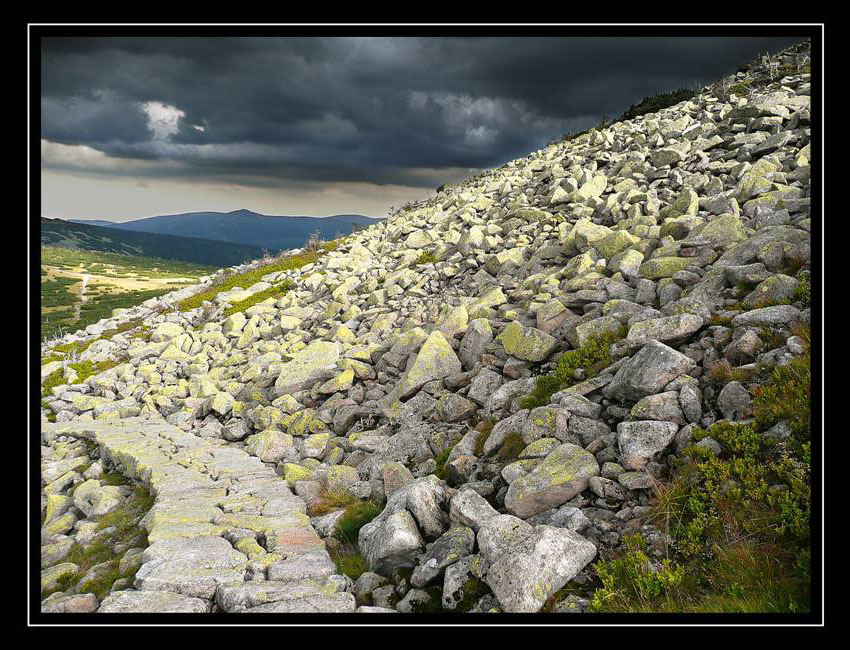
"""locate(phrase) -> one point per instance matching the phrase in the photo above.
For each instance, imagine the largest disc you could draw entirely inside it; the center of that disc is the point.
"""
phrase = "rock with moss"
(773, 290)
(436, 359)
(524, 565)
(648, 371)
(527, 343)
(725, 231)
(308, 366)
(664, 267)
(563, 474)
(777, 315)
(270, 446)
(668, 330)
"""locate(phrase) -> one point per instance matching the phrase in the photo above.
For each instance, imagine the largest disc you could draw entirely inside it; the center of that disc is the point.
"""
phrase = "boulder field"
(402, 370)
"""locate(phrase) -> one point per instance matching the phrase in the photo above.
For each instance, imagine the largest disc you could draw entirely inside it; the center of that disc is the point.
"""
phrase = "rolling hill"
(274, 233)
(56, 232)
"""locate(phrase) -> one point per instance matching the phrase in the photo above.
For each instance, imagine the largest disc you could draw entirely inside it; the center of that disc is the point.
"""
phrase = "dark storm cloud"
(364, 109)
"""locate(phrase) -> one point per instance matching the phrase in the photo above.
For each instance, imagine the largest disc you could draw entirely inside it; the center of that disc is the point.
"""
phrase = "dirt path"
(138, 283)
(82, 296)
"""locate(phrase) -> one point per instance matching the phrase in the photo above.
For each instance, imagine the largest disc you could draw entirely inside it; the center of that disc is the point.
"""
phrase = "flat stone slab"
(205, 490)
(132, 602)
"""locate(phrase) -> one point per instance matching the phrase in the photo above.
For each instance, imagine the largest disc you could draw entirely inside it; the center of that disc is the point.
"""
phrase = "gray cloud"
(375, 110)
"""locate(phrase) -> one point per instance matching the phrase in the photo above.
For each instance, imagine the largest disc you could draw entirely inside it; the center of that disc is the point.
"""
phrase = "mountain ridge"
(66, 234)
(270, 232)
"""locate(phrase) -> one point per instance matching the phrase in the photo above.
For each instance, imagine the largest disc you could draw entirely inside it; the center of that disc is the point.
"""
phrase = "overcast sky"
(134, 127)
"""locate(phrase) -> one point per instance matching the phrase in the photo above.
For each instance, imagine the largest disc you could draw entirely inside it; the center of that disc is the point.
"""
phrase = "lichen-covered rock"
(526, 343)
(664, 267)
(435, 360)
(668, 330)
(154, 602)
(525, 565)
(648, 371)
(270, 445)
(563, 474)
(767, 317)
(641, 440)
(307, 366)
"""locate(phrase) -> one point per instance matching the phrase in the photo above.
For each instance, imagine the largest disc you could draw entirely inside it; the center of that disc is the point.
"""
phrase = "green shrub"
(127, 532)
(593, 358)
(786, 396)
(484, 429)
(276, 291)
(440, 459)
(655, 103)
(427, 258)
(803, 292)
(511, 448)
(738, 523)
(349, 561)
(331, 500)
(634, 582)
(249, 278)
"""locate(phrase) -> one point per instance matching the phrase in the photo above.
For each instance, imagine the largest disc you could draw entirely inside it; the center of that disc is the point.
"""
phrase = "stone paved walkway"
(224, 528)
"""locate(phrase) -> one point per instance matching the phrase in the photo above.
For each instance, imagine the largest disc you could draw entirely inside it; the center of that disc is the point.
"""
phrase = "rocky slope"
(397, 370)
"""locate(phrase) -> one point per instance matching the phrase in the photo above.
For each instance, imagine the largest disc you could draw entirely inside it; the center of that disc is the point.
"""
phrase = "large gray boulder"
(315, 362)
(559, 477)
(478, 336)
(471, 509)
(396, 537)
(524, 565)
(641, 440)
(653, 367)
(123, 602)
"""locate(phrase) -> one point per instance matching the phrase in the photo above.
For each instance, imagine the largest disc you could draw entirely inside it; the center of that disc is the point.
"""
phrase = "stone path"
(224, 530)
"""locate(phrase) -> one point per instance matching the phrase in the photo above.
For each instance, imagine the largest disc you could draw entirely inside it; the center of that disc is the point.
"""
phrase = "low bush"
(592, 358)
(738, 524)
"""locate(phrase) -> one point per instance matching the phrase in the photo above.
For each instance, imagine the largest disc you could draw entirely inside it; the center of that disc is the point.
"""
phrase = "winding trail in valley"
(82, 301)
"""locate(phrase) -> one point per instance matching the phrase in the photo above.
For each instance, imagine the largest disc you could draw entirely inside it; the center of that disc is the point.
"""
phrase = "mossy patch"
(511, 448)
(440, 460)
(276, 291)
(349, 561)
(592, 358)
(124, 533)
(251, 277)
(427, 257)
(484, 429)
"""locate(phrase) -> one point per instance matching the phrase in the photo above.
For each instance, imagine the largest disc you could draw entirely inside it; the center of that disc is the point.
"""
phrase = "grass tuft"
(354, 518)
(332, 500)
(249, 278)
(427, 258)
